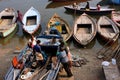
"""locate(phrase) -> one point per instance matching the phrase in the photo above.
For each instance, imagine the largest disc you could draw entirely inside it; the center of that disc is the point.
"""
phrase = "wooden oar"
(111, 54)
(44, 75)
(106, 44)
(39, 70)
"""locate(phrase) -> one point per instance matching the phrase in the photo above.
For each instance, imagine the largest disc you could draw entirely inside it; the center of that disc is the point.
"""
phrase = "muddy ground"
(92, 70)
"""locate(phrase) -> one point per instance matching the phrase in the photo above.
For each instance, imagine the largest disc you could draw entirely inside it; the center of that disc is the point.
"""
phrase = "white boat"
(31, 21)
(7, 22)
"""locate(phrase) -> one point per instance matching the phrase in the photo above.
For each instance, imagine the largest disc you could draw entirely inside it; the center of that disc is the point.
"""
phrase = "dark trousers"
(67, 69)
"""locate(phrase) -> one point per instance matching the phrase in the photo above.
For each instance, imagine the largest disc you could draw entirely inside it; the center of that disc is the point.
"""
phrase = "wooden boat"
(13, 73)
(7, 22)
(39, 72)
(67, 1)
(92, 10)
(84, 29)
(116, 17)
(61, 4)
(107, 29)
(61, 25)
(32, 73)
(31, 21)
(57, 0)
(26, 73)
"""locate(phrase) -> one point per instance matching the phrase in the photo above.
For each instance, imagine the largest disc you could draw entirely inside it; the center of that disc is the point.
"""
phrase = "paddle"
(106, 44)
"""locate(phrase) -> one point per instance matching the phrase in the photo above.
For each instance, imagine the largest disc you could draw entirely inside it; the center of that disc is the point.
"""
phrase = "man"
(37, 47)
(87, 6)
(40, 55)
(37, 51)
(20, 16)
(75, 5)
(62, 56)
(98, 6)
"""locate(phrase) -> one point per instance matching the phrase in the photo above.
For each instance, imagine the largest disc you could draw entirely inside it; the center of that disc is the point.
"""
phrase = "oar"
(117, 53)
(107, 43)
(111, 54)
(44, 75)
(38, 71)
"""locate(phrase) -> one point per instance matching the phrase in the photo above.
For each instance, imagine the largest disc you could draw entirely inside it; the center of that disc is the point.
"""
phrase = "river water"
(17, 39)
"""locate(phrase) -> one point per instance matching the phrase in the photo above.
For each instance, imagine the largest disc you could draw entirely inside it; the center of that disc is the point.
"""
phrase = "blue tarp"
(57, 23)
(116, 1)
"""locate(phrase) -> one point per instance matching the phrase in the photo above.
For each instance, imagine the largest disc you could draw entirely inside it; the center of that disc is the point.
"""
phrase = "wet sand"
(6, 56)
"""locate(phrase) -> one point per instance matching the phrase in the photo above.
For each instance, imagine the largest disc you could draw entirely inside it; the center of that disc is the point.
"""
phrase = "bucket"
(113, 61)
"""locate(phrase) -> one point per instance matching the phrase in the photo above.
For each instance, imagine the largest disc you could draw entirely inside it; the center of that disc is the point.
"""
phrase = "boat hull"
(107, 30)
(31, 21)
(91, 11)
(57, 0)
(61, 25)
(8, 32)
(106, 40)
(8, 23)
(115, 16)
(115, 1)
(34, 32)
(84, 29)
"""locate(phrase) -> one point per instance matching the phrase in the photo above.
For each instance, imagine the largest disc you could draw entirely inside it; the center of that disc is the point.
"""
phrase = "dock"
(111, 72)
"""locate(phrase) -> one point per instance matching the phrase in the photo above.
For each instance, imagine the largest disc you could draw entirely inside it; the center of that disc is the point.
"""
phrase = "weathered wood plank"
(111, 72)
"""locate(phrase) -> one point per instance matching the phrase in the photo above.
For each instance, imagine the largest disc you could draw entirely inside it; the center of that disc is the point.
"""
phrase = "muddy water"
(18, 39)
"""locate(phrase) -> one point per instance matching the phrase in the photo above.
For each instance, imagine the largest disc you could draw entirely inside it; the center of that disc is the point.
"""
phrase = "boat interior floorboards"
(107, 28)
(31, 20)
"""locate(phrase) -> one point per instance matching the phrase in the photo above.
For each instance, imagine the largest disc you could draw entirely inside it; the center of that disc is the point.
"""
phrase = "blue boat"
(50, 50)
(115, 1)
(13, 73)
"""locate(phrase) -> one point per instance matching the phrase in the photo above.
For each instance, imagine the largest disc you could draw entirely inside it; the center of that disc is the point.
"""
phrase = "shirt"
(62, 57)
(37, 48)
(20, 16)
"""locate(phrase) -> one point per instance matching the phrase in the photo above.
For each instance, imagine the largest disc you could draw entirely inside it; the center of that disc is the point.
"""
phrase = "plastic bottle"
(113, 61)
